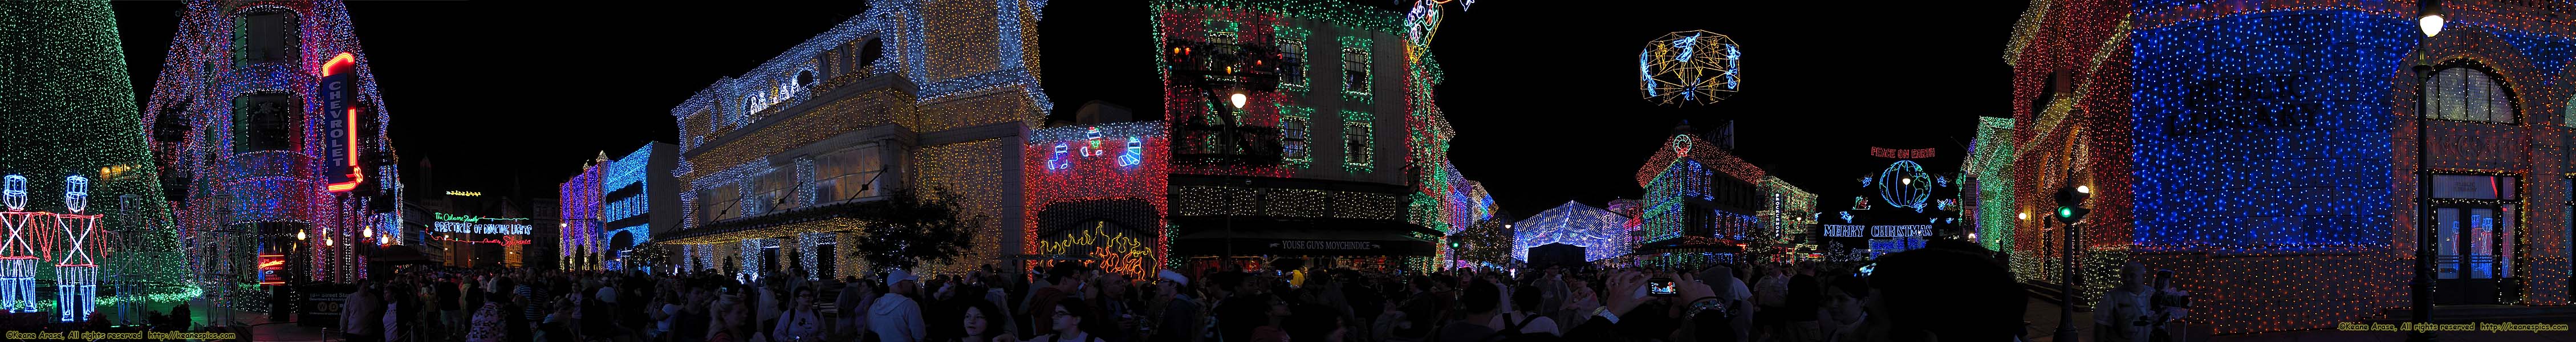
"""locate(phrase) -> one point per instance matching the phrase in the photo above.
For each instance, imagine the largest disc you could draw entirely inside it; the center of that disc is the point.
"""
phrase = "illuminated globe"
(1904, 184)
(1689, 67)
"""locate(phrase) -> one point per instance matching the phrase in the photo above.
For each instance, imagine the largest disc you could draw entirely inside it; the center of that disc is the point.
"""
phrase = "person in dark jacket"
(1180, 312)
(1482, 302)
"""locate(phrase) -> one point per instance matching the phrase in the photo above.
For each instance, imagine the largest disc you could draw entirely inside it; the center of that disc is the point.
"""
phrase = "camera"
(1662, 287)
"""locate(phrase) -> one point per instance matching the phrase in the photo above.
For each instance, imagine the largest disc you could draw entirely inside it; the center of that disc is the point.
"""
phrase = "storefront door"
(2474, 249)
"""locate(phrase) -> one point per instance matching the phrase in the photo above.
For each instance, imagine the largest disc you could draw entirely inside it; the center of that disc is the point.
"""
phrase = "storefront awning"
(1301, 237)
(815, 219)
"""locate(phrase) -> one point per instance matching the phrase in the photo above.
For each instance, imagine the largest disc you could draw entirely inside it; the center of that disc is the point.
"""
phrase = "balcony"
(1206, 65)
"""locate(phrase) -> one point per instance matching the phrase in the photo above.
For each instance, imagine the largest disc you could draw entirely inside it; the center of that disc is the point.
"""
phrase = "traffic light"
(2070, 203)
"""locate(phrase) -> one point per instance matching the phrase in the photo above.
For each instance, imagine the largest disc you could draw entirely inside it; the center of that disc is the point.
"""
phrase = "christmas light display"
(2297, 119)
(69, 114)
(1689, 67)
(1196, 36)
(1600, 232)
(76, 273)
(1690, 169)
(974, 65)
(578, 240)
(1100, 180)
(19, 252)
(1989, 185)
(2069, 55)
(248, 114)
(1911, 186)
(615, 198)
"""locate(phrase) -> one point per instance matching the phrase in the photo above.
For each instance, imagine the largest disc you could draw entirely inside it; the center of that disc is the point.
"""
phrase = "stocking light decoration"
(76, 273)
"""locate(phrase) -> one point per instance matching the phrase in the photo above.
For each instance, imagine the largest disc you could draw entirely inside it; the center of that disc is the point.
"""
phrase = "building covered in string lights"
(778, 167)
(1986, 191)
(1305, 129)
(2266, 154)
(1704, 205)
(270, 133)
(614, 205)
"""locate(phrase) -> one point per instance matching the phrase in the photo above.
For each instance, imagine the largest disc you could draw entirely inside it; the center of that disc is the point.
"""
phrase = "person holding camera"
(2168, 305)
(2124, 314)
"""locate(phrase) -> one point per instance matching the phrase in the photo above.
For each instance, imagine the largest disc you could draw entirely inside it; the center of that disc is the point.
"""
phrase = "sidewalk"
(288, 332)
(2043, 318)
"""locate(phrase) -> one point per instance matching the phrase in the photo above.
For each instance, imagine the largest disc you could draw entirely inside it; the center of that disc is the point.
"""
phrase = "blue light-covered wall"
(1602, 234)
(2266, 129)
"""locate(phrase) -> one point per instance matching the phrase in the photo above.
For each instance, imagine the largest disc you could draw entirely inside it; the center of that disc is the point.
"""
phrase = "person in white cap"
(1179, 312)
(895, 317)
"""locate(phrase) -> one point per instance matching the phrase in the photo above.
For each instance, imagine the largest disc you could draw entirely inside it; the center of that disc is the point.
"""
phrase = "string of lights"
(2252, 112)
(1602, 234)
(1990, 165)
(1099, 178)
(974, 67)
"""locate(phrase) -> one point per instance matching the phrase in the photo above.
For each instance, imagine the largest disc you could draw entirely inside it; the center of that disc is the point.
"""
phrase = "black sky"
(1542, 94)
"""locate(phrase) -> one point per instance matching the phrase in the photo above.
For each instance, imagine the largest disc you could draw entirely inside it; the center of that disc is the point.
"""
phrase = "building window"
(1355, 65)
(1292, 137)
(720, 203)
(772, 192)
(2468, 94)
(1292, 56)
(265, 35)
(848, 174)
(1359, 150)
(1222, 32)
(265, 122)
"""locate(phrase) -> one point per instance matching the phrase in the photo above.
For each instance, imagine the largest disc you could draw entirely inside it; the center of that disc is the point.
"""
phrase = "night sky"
(1542, 93)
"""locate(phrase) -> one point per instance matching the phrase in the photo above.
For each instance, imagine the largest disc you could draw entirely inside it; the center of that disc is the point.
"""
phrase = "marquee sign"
(505, 241)
(1841, 230)
(470, 224)
(269, 265)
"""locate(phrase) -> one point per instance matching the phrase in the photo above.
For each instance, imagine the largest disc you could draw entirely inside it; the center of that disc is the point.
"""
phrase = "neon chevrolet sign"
(340, 145)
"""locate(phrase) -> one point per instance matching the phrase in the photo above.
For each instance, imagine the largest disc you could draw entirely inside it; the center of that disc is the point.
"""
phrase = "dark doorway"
(1556, 254)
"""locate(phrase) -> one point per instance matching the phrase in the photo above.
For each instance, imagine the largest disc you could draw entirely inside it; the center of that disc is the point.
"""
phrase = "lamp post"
(2429, 18)
(2070, 209)
(1238, 100)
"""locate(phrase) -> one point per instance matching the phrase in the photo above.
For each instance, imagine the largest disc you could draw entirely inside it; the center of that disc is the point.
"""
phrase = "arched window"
(2570, 113)
(2468, 94)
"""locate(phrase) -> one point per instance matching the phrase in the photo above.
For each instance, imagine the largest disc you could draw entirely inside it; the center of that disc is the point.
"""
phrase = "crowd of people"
(1945, 292)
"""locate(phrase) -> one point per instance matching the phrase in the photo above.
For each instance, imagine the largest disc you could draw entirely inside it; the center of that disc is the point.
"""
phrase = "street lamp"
(2429, 18)
(2070, 209)
(1229, 180)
